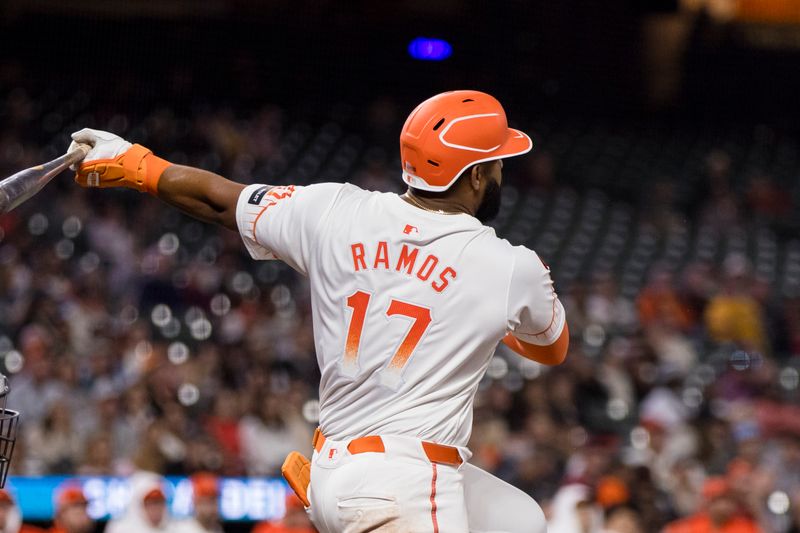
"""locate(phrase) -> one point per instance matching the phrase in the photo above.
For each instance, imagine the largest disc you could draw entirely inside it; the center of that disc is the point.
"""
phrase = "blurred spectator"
(721, 513)
(205, 500)
(35, 388)
(659, 303)
(622, 519)
(611, 492)
(269, 434)
(106, 416)
(606, 307)
(733, 315)
(98, 457)
(54, 446)
(670, 440)
(10, 517)
(614, 373)
(71, 516)
(147, 510)
(684, 484)
(223, 426)
(294, 521)
(666, 320)
(575, 305)
(574, 511)
(696, 287)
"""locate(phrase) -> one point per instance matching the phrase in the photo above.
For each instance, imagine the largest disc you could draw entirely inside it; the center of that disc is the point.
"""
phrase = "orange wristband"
(145, 167)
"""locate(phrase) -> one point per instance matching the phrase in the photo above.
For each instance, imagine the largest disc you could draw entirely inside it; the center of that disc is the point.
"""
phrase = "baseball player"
(71, 515)
(410, 296)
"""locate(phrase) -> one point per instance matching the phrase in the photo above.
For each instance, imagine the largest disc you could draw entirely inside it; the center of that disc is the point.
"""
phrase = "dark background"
(570, 56)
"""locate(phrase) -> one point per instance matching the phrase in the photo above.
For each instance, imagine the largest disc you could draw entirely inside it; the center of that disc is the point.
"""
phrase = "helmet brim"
(517, 143)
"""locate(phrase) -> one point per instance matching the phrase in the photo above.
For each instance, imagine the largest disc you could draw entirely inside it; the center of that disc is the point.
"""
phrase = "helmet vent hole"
(438, 124)
(467, 100)
(434, 163)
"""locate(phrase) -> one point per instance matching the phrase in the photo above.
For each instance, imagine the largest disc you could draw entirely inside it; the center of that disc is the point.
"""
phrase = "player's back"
(409, 306)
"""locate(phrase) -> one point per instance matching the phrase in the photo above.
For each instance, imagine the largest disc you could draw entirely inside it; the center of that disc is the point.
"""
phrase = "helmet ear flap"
(410, 158)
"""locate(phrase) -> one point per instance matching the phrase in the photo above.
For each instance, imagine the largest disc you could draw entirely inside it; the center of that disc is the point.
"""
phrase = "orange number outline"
(421, 318)
(358, 302)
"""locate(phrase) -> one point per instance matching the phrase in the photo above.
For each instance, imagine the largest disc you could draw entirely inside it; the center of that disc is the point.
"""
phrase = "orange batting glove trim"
(138, 168)
(552, 354)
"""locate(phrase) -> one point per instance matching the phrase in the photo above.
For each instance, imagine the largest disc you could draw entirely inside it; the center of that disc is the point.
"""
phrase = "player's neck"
(449, 206)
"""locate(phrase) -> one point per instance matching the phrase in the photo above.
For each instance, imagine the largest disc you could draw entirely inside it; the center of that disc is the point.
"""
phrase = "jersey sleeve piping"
(548, 335)
(550, 325)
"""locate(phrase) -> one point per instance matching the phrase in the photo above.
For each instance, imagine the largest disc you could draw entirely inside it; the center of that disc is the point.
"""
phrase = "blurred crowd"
(138, 340)
(147, 510)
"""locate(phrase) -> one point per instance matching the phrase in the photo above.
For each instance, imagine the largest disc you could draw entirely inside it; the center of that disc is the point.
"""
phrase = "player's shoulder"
(528, 265)
(490, 244)
(487, 252)
(351, 198)
(338, 191)
(327, 189)
(503, 248)
(319, 197)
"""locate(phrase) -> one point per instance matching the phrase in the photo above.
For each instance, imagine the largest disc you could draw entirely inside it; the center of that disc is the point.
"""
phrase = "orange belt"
(437, 453)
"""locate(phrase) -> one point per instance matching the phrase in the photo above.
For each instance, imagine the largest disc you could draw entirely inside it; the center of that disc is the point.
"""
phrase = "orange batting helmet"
(449, 132)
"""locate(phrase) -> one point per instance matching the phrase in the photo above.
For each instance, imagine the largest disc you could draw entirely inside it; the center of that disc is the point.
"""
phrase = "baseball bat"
(18, 188)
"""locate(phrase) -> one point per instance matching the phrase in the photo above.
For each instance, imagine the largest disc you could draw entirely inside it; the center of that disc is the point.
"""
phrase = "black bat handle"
(18, 188)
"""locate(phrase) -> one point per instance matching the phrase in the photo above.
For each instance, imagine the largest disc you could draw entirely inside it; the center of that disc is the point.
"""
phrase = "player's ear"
(476, 176)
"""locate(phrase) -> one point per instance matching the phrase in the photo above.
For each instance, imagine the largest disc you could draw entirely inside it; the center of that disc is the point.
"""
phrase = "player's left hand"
(105, 145)
(114, 162)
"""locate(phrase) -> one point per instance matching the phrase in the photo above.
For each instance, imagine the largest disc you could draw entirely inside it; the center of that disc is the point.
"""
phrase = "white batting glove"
(104, 145)
(114, 162)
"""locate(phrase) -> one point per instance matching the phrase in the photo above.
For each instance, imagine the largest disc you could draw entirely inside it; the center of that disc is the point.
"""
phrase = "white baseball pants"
(402, 491)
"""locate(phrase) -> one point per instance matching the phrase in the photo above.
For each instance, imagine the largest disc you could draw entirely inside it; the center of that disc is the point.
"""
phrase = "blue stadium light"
(427, 49)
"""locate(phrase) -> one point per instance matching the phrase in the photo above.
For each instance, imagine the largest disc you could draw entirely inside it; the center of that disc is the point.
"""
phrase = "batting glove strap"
(138, 168)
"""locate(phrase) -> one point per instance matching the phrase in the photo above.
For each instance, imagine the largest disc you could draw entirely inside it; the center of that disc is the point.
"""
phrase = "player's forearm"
(200, 194)
(115, 162)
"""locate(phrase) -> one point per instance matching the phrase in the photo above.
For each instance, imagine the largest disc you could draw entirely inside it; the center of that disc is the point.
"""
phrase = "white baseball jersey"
(408, 305)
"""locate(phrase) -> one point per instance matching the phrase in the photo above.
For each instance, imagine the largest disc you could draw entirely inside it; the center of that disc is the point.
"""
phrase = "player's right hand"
(114, 162)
